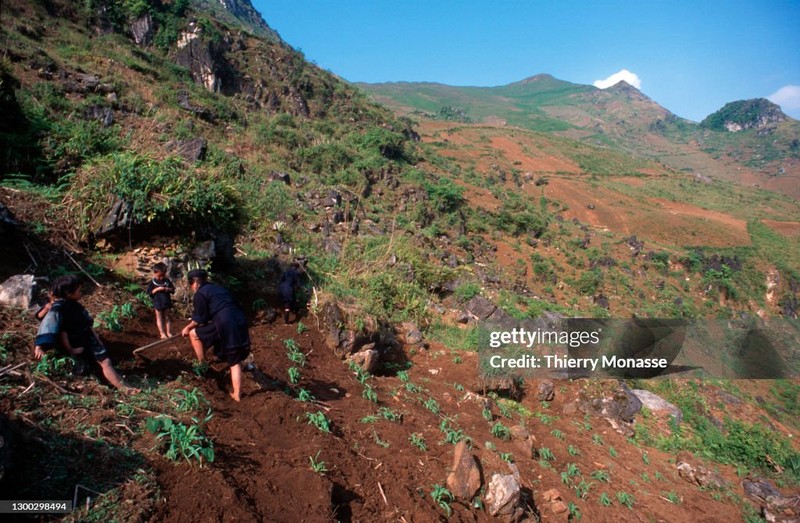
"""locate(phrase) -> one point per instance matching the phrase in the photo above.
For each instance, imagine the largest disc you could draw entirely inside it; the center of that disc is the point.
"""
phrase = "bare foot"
(130, 391)
(235, 398)
(164, 336)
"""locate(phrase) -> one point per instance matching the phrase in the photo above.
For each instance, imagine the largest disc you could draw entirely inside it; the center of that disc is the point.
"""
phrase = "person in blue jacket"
(68, 327)
(218, 321)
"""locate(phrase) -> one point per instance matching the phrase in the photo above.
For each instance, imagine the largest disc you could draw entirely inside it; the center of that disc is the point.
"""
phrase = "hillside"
(621, 118)
(188, 132)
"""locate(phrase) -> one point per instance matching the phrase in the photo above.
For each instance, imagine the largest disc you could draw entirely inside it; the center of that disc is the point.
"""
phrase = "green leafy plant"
(501, 431)
(188, 401)
(574, 511)
(370, 394)
(573, 451)
(319, 420)
(442, 497)
(604, 499)
(432, 405)
(597, 439)
(370, 418)
(301, 327)
(418, 441)
(546, 454)
(612, 452)
(626, 499)
(187, 442)
(672, 497)
(304, 395)
(51, 365)
(487, 415)
(294, 375)
(317, 466)
(389, 414)
(602, 476)
(403, 375)
(558, 434)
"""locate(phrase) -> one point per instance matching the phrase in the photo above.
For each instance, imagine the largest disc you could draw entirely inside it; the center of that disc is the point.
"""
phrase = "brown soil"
(790, 229)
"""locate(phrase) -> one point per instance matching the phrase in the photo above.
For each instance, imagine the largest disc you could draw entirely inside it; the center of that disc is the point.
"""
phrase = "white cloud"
(631, 78)
(788, 97)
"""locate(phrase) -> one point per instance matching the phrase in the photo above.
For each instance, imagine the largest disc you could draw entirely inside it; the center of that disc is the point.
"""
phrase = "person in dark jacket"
(68, 327)
(287, 287)
(160, 291)
(218, 321)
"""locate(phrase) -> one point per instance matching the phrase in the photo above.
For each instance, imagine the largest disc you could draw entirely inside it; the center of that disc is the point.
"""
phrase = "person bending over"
(218, 321)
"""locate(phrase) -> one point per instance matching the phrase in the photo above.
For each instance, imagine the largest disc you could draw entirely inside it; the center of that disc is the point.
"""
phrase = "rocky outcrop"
(142, 30)
(200, 57)
(618, 407)
(775, 507)
(698, 474)
(657, 404)
(757, 113)
(192, 150)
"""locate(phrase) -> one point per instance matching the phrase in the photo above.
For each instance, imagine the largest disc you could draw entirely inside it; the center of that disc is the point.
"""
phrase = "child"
(68, 326)
(160, 290)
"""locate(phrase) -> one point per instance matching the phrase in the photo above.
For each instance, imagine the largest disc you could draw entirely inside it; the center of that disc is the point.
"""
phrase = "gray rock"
(18, 291)
(104, 115)
(464, 480)
(142, 30)
(658, 404)
(412, 333)
(192, 150)
(698, 474)
(369, 360)
(118, 217)
(502, 495)
(545, 391)
(760, 489)
(480, 307)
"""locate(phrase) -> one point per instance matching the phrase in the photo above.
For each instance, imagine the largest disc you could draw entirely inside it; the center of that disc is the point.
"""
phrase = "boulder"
(545, 391)
(18, 291)
(698, 474)
(503, 495)
(464, 480)
(192, 150)
(775, 507)
(104, 115)
(658, 404)
(412, 333)
(480, 308)
(369, 360)
(524, 441)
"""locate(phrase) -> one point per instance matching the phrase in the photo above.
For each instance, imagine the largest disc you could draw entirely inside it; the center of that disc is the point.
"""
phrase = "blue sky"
(691, 57)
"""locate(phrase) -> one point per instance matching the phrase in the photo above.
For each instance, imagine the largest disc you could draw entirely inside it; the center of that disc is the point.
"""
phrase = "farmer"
(67, 326)
(287, 286)
(218, 321)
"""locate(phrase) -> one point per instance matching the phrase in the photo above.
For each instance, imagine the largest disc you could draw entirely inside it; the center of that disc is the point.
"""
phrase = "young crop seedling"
(646, 458)
(487, 415)
(626, 499)
(301, 327)
(389, 414)
(294, 375)
(304, 395)
(582, 489)
(432, 405)
(602, 476)
(604, 499)
(558, 434)
(319, 420)
(370, 418)
(442, 497)
(672, 497)
(317, 466)
(612, 452)
(501, 431)
(378, 440)
(370, 394)
(573, 451)
(418, 441)
(546, 454)
(507, 457)
(403, 375)
(574, 511)
(597, 439)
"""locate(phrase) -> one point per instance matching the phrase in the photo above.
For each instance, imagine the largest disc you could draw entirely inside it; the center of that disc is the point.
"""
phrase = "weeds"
(187, 442)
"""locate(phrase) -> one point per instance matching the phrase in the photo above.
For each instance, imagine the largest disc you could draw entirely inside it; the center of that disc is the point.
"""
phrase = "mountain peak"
(244, 12)
(756, 113)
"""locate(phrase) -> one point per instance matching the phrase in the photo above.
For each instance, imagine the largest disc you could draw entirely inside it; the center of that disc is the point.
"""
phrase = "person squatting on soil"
(160, 291)
(67, 326)
(287, 287)
(218, 321)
